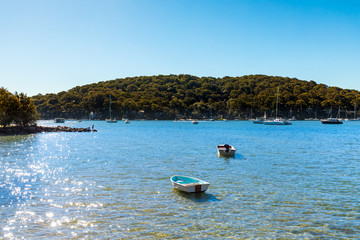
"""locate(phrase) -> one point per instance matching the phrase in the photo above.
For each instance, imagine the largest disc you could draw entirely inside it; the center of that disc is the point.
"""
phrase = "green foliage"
(174, 96)
(26, 113)
(16, 109)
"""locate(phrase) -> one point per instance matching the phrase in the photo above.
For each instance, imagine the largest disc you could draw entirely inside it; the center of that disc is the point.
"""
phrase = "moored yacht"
(110, 120)
(277, 121)
(258, 121)
(331, 121)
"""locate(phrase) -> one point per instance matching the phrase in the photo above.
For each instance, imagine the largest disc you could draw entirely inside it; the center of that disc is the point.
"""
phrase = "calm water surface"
(291, 182)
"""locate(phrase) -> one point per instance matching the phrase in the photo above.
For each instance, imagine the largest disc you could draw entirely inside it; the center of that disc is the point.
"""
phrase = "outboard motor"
(227, 147)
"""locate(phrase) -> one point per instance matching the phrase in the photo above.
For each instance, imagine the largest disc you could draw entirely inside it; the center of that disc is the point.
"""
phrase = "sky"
(52, 46)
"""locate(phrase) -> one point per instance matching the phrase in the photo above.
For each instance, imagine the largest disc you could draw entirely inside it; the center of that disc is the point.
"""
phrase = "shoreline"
(16, 130)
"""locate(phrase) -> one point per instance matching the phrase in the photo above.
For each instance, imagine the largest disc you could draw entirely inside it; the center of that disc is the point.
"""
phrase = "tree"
(27, 113)
(18, 109)
(9, 106)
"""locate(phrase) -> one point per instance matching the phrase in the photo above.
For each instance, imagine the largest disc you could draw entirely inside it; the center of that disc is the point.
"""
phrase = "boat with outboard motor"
(226, 150)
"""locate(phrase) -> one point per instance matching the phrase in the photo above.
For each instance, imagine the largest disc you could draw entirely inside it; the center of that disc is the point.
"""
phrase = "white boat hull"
(111, 121)
(223, 152)
(190, 187)
(331, 121)
(277, 122)
(274, 123)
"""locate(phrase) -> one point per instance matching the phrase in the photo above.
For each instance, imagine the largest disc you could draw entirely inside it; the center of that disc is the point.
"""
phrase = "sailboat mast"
(277, 102)
(110, 106)
(355, 110)
(330, 114)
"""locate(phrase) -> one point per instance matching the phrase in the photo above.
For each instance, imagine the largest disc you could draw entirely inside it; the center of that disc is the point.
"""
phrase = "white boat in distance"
(355, 116)
(260, 120)
(277, 121)
(226, 150)
(189, 184)
(59, 120)
(194, 122)
(110, 120)
(331, 121)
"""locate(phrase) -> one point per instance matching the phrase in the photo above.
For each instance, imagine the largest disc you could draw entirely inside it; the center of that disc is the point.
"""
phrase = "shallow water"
(297, 182)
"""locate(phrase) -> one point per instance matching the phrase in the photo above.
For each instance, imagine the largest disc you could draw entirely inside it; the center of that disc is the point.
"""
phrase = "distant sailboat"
(355, 117)
(277, 121)
(260, 120)
(110, 120)
(332, 120)
(211, 116)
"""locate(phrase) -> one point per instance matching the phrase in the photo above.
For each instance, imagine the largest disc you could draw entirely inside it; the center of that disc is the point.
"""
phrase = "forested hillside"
(186, 96)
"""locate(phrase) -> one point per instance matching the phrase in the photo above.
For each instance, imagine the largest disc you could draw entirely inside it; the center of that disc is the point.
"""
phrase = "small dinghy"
(189, 184)
(226, 150)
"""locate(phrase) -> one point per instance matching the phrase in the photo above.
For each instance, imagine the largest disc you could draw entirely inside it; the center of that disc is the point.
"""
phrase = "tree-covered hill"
(176, 96)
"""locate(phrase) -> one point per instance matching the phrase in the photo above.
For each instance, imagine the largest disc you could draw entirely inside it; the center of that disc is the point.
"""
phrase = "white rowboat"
(189, 184)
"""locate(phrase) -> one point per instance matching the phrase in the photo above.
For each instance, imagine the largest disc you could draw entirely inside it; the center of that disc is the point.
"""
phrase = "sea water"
(291, 182)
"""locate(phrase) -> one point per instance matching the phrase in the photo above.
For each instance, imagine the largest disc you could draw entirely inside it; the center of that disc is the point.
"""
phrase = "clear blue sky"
(48, 46)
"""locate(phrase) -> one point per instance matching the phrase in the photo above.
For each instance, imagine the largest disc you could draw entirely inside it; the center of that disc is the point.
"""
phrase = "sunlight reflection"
(49, 214)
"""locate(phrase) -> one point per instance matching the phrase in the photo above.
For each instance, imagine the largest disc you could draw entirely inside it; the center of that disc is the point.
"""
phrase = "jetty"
(16, 130)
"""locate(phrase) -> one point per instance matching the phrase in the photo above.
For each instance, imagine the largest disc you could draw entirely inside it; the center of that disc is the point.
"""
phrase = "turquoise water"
(290, 182)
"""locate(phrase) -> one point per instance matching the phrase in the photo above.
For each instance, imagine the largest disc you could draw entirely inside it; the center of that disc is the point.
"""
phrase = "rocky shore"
(6, 131)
